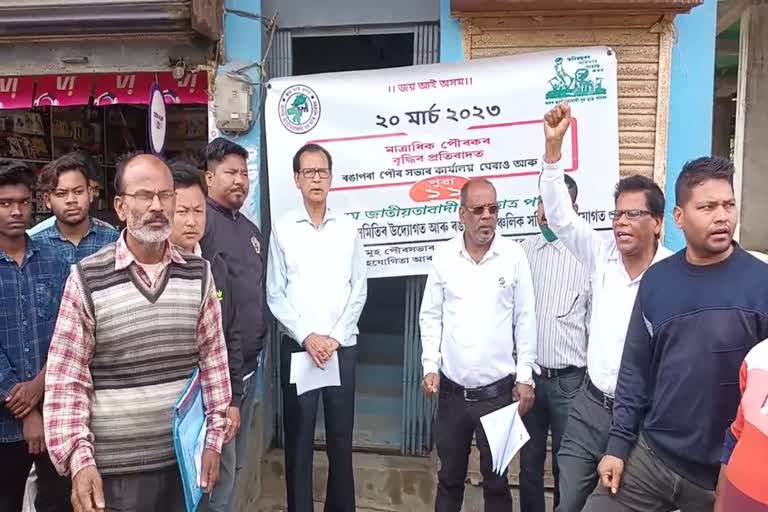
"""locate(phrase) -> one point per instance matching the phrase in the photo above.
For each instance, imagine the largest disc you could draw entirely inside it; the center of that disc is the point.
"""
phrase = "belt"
(500, 387)
(605, 400)
(551, 373)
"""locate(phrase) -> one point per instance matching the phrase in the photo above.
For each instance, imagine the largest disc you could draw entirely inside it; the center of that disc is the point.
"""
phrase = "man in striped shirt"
(563, 299)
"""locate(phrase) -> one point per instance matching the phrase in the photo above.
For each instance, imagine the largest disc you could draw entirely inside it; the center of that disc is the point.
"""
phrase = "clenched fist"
(556, 123)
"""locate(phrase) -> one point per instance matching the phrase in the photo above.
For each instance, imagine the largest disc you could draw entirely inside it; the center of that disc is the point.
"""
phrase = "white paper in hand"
(307, 376)
(506, 434)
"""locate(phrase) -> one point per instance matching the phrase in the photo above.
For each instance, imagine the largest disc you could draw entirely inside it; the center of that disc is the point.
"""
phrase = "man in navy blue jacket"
(696, 316)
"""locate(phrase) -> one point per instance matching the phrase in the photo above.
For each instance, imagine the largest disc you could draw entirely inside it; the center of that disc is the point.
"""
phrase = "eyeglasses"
(315, 171)
(145, 197)
(630, 214)
(478, 210)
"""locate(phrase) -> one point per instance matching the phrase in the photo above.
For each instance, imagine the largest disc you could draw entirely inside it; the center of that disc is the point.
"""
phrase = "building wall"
(642, 44)
(334, 13)
(691, 101)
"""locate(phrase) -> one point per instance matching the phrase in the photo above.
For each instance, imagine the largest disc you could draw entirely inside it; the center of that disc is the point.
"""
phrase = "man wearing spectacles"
(136, 320)
(232, 236)
(616, 267)
(316, 288)
(697, 316)
(477, 311)
(563, 301)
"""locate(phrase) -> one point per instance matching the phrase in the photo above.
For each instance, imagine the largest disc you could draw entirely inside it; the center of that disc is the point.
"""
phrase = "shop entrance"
(104, 116)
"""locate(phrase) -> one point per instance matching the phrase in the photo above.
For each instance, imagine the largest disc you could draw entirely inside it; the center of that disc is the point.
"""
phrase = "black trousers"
(53, 491)
(151, 491)
(455, 423)
(300, 413)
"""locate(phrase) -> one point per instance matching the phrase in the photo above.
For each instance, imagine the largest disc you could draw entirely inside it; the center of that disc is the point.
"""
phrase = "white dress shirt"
(613, 292)
(474, 315)
(316, 277)
(563, 303)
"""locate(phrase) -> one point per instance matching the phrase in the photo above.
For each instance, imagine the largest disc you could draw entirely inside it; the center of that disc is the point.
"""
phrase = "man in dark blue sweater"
(696, 316)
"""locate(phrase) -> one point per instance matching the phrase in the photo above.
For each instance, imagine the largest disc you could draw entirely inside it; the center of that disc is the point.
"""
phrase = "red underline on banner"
(361, 137)
(574, 145)
(574, 136)
(383, 185)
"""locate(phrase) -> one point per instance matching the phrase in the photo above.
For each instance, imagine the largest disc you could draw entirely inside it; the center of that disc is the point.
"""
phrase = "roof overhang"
(550, 7)
(37, 19)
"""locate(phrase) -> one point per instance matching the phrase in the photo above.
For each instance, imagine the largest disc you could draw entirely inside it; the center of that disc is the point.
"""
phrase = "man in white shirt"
(616, 267)
(316, 288)
(563, 300)
(478, 307)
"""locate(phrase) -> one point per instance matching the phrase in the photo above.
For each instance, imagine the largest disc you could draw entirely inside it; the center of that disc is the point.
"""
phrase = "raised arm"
(576, 233)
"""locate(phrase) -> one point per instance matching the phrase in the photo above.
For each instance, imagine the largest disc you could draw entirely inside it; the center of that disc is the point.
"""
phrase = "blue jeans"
(235, 454)
(550, 410)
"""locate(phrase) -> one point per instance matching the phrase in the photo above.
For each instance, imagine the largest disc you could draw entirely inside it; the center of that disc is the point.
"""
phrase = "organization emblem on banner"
(299, 109)
(584, 84)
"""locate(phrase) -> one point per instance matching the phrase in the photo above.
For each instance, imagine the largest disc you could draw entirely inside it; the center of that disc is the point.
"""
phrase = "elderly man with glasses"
(316, 288)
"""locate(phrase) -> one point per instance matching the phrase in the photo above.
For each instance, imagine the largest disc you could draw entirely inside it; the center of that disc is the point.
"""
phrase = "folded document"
(506, 434)
(189, 440)
(307, 376)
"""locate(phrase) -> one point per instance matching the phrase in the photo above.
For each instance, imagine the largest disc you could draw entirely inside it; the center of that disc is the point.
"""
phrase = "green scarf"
(549, 235)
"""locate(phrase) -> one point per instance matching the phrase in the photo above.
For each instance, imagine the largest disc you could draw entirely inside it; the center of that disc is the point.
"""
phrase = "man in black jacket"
(188, 228)
(229, 233)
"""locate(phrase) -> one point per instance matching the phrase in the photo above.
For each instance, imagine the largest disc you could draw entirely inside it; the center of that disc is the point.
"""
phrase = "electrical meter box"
(232, 102)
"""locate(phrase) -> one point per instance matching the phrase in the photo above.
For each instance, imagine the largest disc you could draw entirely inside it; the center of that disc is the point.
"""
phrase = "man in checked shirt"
(136, 319)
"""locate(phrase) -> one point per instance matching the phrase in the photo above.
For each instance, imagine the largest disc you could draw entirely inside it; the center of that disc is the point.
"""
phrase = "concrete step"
(383, 483)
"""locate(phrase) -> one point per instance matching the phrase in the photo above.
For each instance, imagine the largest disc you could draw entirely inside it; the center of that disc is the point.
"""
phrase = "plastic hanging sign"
(158, 119)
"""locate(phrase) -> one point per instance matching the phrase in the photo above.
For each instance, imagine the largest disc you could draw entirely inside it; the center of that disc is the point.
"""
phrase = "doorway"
(379, 376)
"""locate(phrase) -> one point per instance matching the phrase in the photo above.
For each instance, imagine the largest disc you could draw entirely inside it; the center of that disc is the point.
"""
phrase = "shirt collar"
(54, 231)
(302, 215)
(32, 248)
(222, 209)
(542, 242)
(493, 250)
(124, 257)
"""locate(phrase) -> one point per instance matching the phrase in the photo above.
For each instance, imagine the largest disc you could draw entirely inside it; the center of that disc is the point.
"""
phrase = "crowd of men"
(633, 357)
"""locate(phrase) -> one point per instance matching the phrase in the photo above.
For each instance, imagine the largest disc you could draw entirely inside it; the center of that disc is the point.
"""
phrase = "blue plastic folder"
(189, 439)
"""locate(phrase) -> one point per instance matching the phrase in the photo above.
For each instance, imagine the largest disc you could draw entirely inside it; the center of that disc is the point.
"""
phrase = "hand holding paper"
(506, 434)
(307, 376)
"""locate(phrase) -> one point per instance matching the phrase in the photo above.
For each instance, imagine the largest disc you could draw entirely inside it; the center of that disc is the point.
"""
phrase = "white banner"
(405, 140)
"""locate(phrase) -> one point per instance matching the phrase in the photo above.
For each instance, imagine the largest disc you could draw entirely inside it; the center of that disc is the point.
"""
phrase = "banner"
(405, 140)
(63, 90)
(16, 92)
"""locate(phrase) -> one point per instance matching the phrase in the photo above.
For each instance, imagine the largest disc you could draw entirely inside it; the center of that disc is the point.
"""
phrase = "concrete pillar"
(690, 101)
(243, 32)
(725, 111)
(451, 41)
(751, 128)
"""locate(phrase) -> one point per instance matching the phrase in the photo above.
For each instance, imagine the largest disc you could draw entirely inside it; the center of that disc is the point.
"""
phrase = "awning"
(583, 6)
(105, 89)
(77, 18)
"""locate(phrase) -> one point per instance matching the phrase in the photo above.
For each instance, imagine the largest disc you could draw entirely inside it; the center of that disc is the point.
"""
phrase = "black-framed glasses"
(311, 172)
(629, 214)
(146, 197)
(492, 208)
